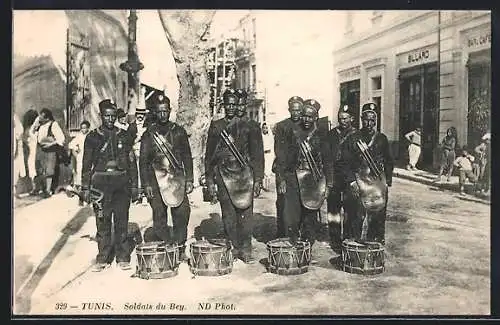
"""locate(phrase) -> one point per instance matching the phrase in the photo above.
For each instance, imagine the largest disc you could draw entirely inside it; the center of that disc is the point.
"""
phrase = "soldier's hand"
(282, 187)
(189, 187)
(257, 186)
(86, 195)
(148, 191)
(134, 194)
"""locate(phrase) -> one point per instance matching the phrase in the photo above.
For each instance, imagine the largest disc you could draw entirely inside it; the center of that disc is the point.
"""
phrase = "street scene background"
(427, 69)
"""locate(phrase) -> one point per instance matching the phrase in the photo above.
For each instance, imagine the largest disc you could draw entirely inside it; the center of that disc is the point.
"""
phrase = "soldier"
(367, 182)
(283, 131)
(241, 112)
(306, 176)
(166, 168)
(335, 138)
(109, 165)
(234, 161)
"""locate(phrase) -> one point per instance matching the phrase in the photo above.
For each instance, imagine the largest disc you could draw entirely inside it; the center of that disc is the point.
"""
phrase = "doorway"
(479, 94)
(350, 95)
(418, 108)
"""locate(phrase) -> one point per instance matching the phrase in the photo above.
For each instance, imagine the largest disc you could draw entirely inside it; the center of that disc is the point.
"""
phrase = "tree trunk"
(185, 31)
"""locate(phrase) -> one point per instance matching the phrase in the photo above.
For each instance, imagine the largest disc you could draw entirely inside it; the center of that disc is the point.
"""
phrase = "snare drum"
(210, 258)
(366, 258)
(287, 259)
(156, 260)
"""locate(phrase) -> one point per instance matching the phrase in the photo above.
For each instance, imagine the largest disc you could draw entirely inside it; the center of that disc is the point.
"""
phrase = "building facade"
(73, 72)
(423, 68)
(280, 54)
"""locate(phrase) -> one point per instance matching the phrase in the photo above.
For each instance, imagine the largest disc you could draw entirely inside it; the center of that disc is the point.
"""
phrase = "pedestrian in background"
(18, 153)
(49, 137)
(464, 165)
(30, 140)
(482, 152)
(448, 145)
(414, 149)
(76, 146)
(268, 141)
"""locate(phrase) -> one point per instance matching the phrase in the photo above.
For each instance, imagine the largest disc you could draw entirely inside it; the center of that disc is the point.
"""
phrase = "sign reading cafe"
(480, 40)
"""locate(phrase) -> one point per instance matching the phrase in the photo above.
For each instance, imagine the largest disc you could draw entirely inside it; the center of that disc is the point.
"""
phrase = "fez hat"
(369, 107)
(242, 96)
(312, 103)
(295, 99)
(346, 109)
(159, 99)
(230, 92)
(106, 104)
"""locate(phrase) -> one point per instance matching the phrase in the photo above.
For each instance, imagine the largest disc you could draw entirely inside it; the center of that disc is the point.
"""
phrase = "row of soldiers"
(310, 166)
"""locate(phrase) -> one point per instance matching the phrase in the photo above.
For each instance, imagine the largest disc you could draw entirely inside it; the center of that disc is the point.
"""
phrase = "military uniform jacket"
(335, 138)
(290, 158)
(177, 137)
(350, 159)
(246, 139)
(282, 133)
(102, 146)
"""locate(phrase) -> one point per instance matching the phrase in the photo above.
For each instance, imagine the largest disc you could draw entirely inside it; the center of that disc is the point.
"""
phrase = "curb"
(446, 186)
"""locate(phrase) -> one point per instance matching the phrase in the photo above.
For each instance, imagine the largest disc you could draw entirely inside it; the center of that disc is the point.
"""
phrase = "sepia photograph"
(251, 162)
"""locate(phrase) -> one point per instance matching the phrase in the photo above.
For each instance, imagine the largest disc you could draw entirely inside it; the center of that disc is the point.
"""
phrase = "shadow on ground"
(23, 296)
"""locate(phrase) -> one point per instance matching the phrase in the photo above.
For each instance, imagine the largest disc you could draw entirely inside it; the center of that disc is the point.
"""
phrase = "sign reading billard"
(417, 57)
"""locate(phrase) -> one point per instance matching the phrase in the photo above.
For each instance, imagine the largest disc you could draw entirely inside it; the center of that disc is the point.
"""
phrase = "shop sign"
(480, 40)
(419, 56)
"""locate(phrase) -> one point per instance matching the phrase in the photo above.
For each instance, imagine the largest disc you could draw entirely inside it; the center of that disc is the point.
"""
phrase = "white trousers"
(414, 153)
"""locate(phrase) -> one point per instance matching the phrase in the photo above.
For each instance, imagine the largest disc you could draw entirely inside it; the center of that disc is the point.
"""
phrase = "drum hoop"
(225, 254)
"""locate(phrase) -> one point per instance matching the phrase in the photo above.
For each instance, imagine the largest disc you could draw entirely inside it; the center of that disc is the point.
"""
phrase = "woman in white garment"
(18, 152)
(76, 146)
(268, 142)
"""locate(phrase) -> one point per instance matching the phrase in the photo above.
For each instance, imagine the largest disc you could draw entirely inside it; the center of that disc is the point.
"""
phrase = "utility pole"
(132, 66)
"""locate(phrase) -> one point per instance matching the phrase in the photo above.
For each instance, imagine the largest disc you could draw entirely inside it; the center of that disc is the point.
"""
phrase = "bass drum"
(312, 193)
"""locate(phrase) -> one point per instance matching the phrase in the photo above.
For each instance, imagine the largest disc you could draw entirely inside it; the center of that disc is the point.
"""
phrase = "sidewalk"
(428, 178)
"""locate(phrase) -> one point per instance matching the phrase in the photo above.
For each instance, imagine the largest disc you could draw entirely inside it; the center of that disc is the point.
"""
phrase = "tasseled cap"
(295, 99)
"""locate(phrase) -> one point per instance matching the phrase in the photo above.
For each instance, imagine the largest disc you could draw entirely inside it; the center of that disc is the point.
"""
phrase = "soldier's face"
(345, 120)
(295, 111)
(369, 121)
(163, 113)
(230, 107)
(309, 118)
(241, 109)
(108, 117)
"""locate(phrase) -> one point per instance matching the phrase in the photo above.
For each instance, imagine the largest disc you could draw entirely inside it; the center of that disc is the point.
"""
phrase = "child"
(76, 146)
(464, 165)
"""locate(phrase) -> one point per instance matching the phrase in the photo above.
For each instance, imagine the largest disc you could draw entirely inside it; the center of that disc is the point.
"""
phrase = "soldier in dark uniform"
(299, 216)
(241, 112)
(283, 131)
(234, 161)
(109, 165)
(163, 191)
(335, 138)
(351, 163)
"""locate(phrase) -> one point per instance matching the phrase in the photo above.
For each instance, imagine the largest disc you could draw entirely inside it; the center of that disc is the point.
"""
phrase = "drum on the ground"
(156, 260)
(210, 258)
(362, 258)
(287, 259)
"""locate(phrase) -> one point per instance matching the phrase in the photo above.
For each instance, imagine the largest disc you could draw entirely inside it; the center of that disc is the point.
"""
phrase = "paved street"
(437, 262)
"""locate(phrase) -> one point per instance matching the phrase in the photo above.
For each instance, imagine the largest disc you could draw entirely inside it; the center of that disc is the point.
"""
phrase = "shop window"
(378, 102)
(377, 83)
